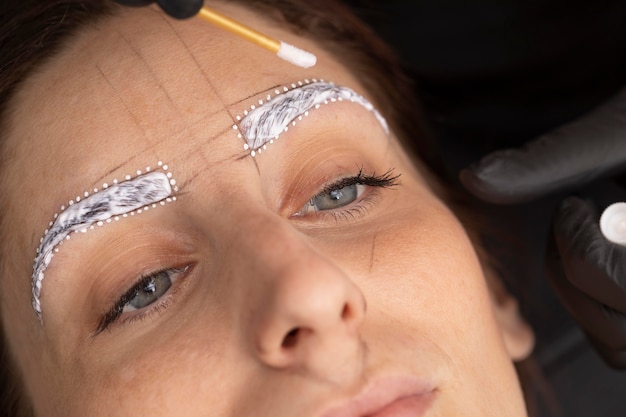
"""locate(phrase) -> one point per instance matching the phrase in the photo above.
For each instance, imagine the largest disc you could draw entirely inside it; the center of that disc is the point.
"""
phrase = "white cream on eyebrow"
(134, 195)
(264, 123)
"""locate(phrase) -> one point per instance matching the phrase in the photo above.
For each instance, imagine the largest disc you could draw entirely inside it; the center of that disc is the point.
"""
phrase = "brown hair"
(32, 31)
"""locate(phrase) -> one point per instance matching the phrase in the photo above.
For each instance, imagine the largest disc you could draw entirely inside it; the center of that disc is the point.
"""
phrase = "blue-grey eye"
(150, 289)
(346, 191)
(334, 199)
(146, 291)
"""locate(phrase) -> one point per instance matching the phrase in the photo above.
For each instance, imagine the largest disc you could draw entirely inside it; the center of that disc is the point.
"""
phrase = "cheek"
(179, 376)
(426, 248)
(425, 273)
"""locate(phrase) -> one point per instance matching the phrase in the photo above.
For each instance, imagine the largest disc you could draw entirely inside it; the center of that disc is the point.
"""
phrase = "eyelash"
(113, 315)
(359, 206)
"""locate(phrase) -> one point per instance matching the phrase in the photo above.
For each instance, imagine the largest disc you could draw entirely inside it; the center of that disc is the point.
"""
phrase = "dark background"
(494, 74)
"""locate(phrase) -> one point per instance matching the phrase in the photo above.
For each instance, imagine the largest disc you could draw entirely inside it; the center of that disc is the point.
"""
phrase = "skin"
(388, 286)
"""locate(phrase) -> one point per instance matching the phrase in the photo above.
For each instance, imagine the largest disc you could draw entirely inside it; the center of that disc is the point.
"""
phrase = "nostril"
(290, 338)
(346, 313)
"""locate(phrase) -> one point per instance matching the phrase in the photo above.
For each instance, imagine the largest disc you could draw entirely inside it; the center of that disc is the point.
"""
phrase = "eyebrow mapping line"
(264, 123)
(134, 195)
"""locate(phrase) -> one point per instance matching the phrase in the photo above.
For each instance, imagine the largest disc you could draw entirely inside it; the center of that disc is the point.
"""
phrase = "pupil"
(336, 194)
(150, 287)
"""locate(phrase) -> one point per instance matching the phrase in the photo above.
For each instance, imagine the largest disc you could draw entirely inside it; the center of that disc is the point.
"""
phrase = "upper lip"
(380, 394)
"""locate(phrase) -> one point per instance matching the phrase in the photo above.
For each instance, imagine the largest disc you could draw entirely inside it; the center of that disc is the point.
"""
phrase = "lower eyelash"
(154, 310)
(353, 211)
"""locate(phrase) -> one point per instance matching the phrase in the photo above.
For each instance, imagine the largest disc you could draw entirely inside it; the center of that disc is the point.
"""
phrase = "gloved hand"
(179, 9)
(587, 271)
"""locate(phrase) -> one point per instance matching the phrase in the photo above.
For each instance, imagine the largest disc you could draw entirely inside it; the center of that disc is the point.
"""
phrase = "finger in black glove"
(179, 9)
(584, 267)
(564, 159)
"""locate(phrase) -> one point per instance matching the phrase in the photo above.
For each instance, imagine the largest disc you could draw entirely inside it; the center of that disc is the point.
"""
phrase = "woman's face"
(287, 283)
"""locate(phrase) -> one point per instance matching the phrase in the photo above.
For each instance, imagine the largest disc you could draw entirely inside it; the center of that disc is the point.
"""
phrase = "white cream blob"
(613, 223)
(110, 202)
(264, 123)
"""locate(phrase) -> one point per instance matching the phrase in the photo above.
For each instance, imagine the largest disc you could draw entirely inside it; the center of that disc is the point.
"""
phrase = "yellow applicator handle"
(238, 29)
(282, 49)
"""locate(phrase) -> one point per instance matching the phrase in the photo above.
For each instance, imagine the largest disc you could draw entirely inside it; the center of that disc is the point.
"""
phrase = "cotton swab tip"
(613, 223)
(296, 56)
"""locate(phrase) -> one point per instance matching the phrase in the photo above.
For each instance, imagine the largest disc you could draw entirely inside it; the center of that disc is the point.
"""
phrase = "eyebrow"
(264, 123)
(102, 206)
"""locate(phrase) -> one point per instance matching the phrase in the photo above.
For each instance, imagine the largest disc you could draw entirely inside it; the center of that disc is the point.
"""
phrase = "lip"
(391, 397)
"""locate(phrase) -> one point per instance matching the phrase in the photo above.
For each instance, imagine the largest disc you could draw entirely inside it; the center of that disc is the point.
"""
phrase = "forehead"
(149, 78)
(135, 89)
(140, 82)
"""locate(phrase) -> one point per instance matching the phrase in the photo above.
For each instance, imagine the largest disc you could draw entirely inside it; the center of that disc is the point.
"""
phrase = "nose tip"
(311, 321)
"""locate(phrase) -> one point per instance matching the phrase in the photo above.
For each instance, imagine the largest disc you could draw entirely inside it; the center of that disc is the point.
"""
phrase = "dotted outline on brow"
(98, 208)
(311, 94)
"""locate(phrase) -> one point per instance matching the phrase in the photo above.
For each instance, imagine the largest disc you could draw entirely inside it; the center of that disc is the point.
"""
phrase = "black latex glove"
(179, 9)
(587, 271)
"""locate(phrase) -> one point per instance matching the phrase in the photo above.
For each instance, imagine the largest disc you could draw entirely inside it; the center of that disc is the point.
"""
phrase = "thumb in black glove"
(586, 270)
(179, 9)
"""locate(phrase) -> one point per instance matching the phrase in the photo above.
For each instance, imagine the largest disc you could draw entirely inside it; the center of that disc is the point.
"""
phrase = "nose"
(305, 312)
